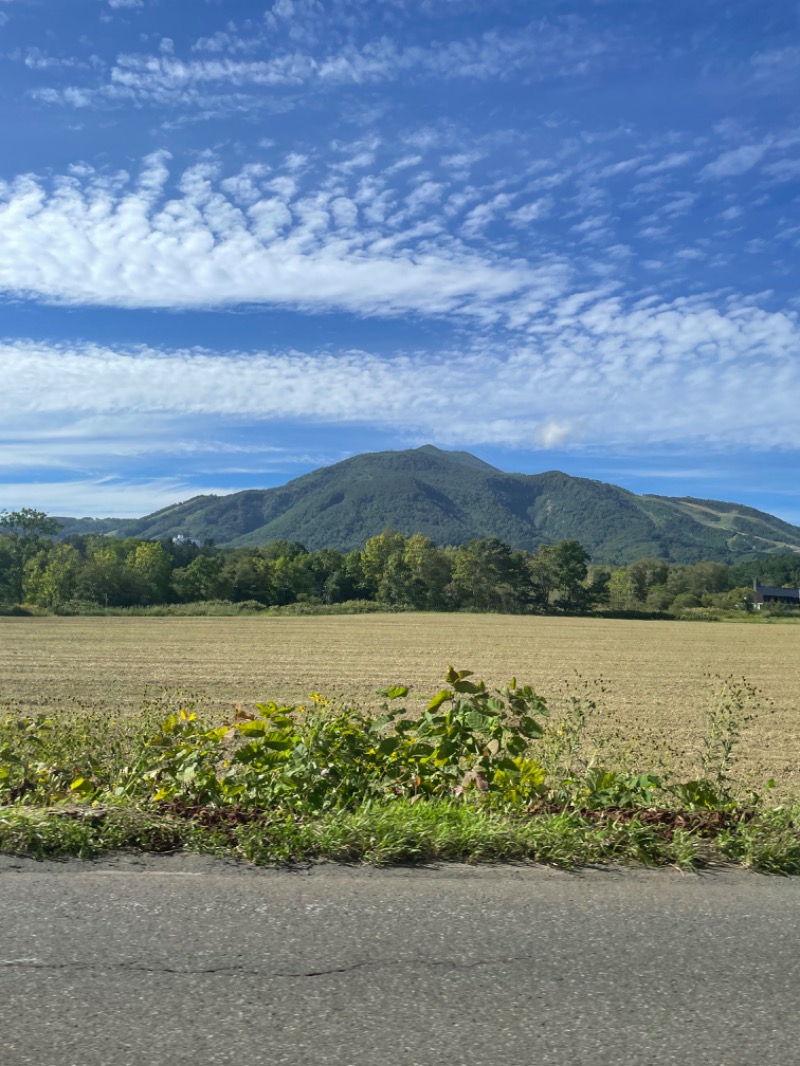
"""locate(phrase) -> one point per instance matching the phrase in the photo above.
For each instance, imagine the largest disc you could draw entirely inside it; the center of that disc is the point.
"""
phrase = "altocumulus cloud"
(672, 373)
(533, 53)
(110, 242)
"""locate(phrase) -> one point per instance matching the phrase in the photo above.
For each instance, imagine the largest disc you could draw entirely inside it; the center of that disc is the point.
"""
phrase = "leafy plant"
(475, 776)
(313, 757)
(37, 762)
(180, 759)
(730, 713)
(468, 738)
(698, 795)
(567, 751)
(729, 716)
(601, 787)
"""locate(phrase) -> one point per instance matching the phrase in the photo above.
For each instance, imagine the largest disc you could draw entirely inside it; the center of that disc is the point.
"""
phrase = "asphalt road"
(182, 959)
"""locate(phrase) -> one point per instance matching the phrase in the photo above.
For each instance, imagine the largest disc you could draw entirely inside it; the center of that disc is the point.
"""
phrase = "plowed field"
(659, 676)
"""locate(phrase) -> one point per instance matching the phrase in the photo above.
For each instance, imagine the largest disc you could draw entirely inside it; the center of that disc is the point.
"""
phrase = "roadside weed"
(478, 775)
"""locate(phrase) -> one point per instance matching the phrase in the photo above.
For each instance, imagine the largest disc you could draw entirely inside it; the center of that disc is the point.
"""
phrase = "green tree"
(643, 575)
(740, 599)
(51, 576)
(658, 598)
(387, 574)
(561, 570)
(246, 576)
(488, 576)
(430, 572)
(354, 572)
(330, 582)
(103, 577)
(199, 580)
(6, 569)
(621, 590)
(377, 553)
(292, 578)
(685, 600)
(706, 579)
(150, 566)
(597, 580)
(26, 532)
(677, 581)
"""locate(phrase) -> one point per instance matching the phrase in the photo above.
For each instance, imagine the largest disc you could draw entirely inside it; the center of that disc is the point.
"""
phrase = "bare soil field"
(659, 677)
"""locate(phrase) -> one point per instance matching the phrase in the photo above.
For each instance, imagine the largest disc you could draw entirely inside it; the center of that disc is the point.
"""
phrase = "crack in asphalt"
(241, 971)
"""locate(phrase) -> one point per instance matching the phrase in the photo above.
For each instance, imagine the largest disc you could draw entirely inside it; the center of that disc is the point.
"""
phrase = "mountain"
(454, 497)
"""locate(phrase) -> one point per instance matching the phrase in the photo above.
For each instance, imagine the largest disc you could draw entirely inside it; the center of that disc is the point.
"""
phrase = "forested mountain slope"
(454, 497)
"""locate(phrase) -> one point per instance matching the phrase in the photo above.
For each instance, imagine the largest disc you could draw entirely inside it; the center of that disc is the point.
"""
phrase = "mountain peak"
(462, 458)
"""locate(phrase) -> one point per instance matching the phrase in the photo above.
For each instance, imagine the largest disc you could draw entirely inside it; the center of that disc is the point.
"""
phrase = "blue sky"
(242, 240)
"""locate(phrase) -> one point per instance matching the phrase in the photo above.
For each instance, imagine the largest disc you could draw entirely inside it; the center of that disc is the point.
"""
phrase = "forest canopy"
(392, 569)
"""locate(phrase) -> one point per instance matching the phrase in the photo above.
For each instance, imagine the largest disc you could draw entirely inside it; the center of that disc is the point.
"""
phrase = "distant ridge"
(454, 497)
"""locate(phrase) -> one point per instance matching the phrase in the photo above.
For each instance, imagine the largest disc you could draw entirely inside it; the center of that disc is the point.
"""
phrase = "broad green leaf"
(446, 749)
(277, 741)
(252, 729)
(467, 686)
(249, 753)
(475, 720)
(421, 751)
(441, 697)
(267, 710)
(394, 692)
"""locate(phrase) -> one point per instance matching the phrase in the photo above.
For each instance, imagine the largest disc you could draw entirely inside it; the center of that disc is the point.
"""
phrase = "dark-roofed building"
(772, 594)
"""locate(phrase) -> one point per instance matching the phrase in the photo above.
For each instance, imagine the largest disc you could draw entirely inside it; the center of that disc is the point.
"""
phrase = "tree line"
(393, 569)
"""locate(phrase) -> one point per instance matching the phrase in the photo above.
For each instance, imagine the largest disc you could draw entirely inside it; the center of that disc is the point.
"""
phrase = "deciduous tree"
(25, 531)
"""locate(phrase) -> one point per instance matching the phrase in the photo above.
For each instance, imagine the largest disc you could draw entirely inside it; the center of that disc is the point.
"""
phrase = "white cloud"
(85, 239)
(461, 161)
(681, 204)
(532, 212)
(220, 71)
(731, 213)
(484, 214)
(784, 170)
(734, 162)
(623, 166)
(593, 372)
(551, 433)
(775, 70)
(117, 497)
(669, 162)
